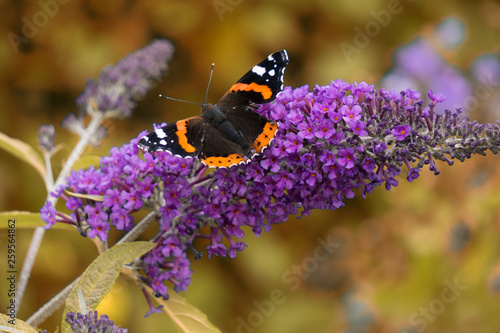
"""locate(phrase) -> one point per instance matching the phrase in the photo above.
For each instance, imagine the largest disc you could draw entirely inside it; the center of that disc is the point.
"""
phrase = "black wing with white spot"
(259, 85)
(183, 138)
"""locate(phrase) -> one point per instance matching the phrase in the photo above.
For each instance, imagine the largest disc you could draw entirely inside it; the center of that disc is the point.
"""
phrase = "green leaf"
(23, 151)
(187, 317)
(21, 219)
(100, 276)
(28, 220)
(20, 327)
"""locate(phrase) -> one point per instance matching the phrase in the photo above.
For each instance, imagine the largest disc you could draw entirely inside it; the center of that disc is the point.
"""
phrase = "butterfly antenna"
(209, 81)
(176, 99)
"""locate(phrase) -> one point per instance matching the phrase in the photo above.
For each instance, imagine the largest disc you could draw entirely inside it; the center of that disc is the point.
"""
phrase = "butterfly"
(229, 132)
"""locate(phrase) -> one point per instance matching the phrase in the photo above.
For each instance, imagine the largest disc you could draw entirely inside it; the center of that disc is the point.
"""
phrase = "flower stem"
(36, 240)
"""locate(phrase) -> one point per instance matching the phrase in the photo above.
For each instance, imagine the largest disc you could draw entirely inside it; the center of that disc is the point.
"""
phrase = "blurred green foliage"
(397, 248)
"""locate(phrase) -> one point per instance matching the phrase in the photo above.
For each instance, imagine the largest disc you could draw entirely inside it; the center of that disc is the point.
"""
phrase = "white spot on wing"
(163, 142)
(272, 72)
(286, 54)
(258, 70)
(160, 133)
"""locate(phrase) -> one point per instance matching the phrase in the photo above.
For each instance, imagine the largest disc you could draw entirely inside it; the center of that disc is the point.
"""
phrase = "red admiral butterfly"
(229, 132)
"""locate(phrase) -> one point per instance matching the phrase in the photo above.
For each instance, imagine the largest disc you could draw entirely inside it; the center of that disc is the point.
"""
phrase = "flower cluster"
(46, 135)
(89, 322)
(333, 142)
(118, 87)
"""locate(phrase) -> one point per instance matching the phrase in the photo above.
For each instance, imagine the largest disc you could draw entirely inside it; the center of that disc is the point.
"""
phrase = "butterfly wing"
(194, 137)
(219, 151)
(259, 85)
(183, 138)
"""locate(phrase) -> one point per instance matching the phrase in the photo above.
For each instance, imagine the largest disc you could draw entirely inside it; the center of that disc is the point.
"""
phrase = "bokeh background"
(398, 251)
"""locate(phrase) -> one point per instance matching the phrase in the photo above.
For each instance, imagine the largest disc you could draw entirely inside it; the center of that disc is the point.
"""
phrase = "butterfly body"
(229, 132)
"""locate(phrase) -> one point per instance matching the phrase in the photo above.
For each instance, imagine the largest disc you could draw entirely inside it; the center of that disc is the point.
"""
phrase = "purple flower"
(121, 219)
(358, 89)
(146, 187)
(292, 143)
(358, 127)
(401, 132)
(89, 322)
(132, 199)
(346, 158)
(306, 130)
(312, 178)
(74, 203)
(413, 174)
(335, 116)
(217, 249)
(325, 129)
(158, 286)
(436, 98)
(351, 114)
(413, 95)
(284, 180)
(119, 86)
(99, 229)
(95, 213)
(326, 158)
(236, 247)
(48, 214)
(237, 214)
(113, 199)
(172, 246)
(368, 164)
(271, 163)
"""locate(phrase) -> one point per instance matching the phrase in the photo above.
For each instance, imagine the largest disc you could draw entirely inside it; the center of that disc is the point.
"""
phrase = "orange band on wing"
(265, 137)
(183, 140)
(218, 162)
(264, 90)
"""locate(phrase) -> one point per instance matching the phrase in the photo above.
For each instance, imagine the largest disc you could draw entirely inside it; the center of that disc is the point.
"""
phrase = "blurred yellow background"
(421, 257)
